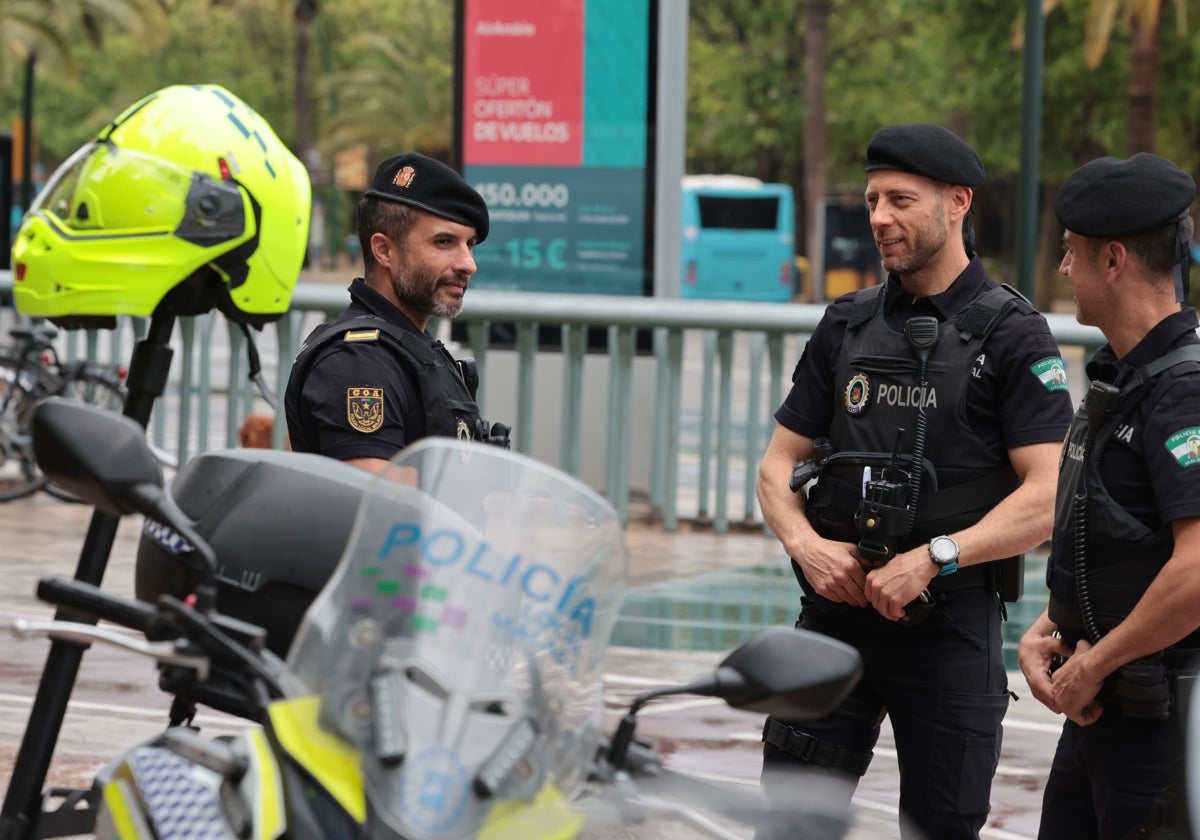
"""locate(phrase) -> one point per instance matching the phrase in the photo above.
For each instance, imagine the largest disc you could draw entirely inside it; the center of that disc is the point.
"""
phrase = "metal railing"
(690, 387)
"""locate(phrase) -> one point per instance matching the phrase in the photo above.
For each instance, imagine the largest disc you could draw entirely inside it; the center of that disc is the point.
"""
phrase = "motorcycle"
(446, 682)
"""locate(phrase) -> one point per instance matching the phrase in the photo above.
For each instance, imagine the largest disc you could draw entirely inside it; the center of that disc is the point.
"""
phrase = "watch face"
(943, 550)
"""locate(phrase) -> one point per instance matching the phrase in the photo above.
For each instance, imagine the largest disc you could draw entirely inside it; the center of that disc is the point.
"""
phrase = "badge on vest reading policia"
(364, 409)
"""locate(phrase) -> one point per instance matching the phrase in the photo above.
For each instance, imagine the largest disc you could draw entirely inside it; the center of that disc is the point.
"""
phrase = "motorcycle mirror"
(788, 673)
(784, 672)
(100, 456)
(103, 458)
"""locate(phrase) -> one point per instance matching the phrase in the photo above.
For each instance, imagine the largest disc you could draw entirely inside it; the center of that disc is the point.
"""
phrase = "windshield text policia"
(444, 547)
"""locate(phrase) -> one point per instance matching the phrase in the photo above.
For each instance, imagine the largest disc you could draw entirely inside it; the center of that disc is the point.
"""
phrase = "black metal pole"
(1031, 136)
(27, 135)
(147, 380)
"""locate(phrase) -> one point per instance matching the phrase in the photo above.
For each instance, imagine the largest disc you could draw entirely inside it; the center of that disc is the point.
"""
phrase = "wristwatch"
(943, 551)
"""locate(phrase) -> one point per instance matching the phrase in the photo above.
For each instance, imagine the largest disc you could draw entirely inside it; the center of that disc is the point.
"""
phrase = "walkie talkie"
(882, 516)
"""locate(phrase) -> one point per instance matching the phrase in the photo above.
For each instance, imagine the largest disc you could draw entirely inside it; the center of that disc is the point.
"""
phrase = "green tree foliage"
(381, 75)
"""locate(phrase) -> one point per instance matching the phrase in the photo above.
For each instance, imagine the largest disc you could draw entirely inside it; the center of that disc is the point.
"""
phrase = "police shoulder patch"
(1184, 446)
(364, 409)
(1051, 372)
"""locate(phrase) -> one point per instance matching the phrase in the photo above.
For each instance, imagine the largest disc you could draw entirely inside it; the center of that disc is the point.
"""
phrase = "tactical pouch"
(1141, 690)
(1011, 574)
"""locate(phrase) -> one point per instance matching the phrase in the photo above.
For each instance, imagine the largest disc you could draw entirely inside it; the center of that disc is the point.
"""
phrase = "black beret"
(1110, 197)
(433, 186)
(925, 149)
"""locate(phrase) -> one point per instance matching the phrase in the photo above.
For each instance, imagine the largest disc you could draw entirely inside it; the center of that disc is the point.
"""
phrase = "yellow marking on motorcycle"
(268, 801)
(124, 819)
(548, 817)
(361, 335)
(330, 760)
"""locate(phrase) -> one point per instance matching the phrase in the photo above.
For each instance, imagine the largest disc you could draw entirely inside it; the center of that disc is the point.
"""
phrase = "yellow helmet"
(186, 201)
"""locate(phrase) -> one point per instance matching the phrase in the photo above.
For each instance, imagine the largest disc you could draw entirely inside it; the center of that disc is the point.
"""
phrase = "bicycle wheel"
(20, 388)
(93, 386)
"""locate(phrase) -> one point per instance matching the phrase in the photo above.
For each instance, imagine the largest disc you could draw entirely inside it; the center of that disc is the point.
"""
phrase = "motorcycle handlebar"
(89, 599)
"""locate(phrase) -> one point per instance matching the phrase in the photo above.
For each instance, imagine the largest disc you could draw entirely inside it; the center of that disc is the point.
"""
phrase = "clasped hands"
(839, 572)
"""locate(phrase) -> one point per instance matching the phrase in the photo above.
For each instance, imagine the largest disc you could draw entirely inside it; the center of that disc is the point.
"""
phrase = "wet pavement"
(116, 701)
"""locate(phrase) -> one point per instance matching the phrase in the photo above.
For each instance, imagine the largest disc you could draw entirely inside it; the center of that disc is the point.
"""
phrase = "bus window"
(737, 239)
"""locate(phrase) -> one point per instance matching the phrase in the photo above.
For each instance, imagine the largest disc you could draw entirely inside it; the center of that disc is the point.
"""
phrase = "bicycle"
(30, 371)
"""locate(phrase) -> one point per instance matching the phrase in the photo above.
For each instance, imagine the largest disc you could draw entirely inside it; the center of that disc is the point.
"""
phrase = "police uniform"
(993, 381)
(1132, 458)
(372, 382)
(358, 393)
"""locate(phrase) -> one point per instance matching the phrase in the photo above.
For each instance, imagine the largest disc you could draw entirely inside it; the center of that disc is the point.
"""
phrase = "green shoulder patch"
(1051, 372)
(1184, 446)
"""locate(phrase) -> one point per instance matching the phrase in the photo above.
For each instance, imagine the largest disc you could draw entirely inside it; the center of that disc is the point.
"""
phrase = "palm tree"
(1143, 19)
(401, 95)
(35, 28)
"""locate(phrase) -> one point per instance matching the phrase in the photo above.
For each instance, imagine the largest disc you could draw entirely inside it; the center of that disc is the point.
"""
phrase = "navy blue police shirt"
(1151, 467)
(1009, 400)
(344, 375)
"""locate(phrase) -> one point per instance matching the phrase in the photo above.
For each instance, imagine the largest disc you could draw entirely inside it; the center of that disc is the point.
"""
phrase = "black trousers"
(1105, 777)
(944, 687)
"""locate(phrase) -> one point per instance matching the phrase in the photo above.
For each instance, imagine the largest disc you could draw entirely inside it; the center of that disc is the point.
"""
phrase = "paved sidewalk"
(41, 536)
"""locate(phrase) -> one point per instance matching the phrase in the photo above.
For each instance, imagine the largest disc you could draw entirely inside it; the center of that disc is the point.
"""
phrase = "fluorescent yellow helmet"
(186, 202)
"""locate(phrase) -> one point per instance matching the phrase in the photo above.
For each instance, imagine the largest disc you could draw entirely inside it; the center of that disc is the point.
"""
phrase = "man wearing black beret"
(374, 380)
(1120, 638)
(931, 410)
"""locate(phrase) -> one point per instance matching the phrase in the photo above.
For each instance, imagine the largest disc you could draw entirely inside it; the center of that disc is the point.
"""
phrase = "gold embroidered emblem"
(462, 431)
(364, 409)
(405, 176)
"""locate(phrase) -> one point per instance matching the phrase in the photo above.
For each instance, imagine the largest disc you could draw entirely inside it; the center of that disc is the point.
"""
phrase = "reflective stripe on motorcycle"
(264, 787)
(117, 819)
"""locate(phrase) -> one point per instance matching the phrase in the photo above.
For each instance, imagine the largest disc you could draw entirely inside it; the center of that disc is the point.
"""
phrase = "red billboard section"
(523, 82)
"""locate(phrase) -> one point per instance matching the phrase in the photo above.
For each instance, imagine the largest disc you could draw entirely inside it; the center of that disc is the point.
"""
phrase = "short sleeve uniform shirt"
(358, 400)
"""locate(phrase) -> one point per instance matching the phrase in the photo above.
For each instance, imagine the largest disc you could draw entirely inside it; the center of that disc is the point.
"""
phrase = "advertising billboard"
(554, 113)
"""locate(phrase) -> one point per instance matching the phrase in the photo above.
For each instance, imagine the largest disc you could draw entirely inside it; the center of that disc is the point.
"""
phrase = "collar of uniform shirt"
(962, 291)
(1104, 366)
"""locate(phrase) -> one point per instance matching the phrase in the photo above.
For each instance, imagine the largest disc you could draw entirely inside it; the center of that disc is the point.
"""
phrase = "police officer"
(932, 409)
(374, 381)
(1124, 569)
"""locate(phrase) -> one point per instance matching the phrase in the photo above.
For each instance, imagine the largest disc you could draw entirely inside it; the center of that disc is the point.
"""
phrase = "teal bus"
(738, 239)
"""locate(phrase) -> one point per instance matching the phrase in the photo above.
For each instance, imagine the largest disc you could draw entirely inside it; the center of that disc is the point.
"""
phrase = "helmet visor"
(105, 189)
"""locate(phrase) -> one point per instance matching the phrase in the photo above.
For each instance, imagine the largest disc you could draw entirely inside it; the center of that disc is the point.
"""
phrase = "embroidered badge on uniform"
(462, 431)
(1184, 446)
(364, 408)
(1052, 373)
(858, 391)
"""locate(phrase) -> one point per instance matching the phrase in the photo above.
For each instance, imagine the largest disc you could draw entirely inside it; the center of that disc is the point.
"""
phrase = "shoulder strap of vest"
(362, 328)
(1187, 353)
(982, 315)
(866, 303)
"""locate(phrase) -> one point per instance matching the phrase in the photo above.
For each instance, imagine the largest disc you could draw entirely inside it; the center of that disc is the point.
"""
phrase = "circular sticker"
(858, 390)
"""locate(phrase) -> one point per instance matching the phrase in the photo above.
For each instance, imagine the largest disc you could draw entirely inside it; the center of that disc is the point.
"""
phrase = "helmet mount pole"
(146, 382)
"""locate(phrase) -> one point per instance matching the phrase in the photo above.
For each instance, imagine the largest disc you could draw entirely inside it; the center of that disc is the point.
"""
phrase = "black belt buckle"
(920, 609)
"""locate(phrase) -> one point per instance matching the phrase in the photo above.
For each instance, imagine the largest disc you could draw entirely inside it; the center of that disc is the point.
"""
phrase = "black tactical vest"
(878, 376)
(447, 407)
(1122, 554)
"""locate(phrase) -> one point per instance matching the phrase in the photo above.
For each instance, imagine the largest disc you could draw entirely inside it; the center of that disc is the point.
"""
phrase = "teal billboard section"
(615, 69)
(562, 229)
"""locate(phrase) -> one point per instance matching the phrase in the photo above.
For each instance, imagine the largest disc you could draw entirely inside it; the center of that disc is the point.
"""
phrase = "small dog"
(256, 431)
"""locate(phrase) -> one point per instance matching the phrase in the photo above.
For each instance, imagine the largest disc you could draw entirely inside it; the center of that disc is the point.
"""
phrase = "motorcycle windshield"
(459, 646)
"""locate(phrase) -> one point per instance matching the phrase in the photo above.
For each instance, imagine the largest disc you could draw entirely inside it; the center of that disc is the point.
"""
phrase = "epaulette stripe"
(363, 335)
